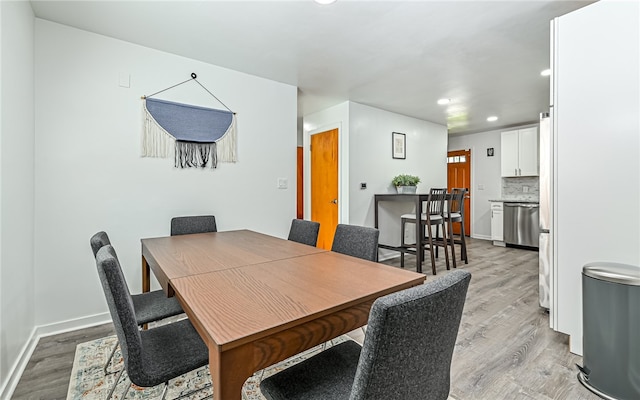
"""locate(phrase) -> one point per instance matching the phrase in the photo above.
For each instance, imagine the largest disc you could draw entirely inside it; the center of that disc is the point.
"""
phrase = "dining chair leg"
(126, 390)
(115, 384)
(191, 393)
(106, 365)
(430, 240)
(452, 243)
(463, 243)
(437, 235)
(446, 246)
(164, 390)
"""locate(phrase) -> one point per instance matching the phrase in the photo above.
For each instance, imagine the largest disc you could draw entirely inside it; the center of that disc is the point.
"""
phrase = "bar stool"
(434, 216)
(456, 214)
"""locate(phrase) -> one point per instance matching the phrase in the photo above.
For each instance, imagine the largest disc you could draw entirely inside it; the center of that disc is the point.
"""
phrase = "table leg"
(146, 276)
(229, 370)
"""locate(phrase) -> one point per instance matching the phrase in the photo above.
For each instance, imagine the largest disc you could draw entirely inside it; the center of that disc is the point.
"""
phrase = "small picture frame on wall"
(399, 145)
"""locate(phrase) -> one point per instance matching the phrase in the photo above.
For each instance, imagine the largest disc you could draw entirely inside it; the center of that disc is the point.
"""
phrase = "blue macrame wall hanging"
(197, 136)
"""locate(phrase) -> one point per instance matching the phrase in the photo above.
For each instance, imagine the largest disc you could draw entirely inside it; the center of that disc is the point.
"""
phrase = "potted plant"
(405, 183)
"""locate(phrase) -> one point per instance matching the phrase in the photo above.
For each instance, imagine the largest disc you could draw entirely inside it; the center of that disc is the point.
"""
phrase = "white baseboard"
(39, 332)
(72, 324)
(18, 366)
(482, 237)
(389, 256)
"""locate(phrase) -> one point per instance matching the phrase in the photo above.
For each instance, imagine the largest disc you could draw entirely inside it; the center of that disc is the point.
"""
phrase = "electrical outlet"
(282, 183)
(525, 189)
(363, 185)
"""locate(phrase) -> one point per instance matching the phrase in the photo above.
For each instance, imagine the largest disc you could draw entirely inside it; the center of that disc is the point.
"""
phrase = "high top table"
(418, 199)
(257, 300)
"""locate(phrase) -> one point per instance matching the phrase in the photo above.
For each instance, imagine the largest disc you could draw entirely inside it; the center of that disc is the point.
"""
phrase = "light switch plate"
(124, 80)
(282, 183)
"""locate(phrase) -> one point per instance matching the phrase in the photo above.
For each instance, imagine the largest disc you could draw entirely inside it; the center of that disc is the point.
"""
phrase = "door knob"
(334, 201)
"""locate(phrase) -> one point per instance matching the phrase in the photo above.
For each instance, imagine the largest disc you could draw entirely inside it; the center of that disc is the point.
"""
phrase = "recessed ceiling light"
(492, 118)
(323, 2)
(546, 72)
(444, 101)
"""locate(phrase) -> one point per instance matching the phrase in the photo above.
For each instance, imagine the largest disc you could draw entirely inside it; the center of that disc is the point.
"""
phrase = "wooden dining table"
(256, 299)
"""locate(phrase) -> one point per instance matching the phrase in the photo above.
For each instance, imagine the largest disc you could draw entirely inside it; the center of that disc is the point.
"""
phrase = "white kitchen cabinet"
(497, 222)
(519, 150)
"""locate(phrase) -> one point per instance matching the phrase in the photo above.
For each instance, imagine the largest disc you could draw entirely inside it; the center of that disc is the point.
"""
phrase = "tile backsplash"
(521, 188)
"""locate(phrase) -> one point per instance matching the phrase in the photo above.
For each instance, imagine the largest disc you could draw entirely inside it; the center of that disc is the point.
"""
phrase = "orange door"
(324, 185)
(459, 176)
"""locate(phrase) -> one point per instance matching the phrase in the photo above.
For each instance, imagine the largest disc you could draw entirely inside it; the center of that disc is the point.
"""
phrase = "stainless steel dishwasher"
(521, 224)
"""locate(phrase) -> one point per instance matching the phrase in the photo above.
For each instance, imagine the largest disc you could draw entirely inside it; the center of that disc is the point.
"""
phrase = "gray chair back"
(409, 341)
(99, 240)
(122, 312)
(303, 231)
(193, 224)
(356, 241)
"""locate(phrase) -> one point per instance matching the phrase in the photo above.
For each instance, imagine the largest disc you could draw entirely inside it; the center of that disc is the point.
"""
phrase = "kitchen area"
(515, 213)
(592, 147)
(512, 185)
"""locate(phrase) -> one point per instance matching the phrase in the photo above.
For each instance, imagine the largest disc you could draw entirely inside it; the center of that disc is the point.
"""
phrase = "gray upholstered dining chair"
(148, 307)
(406, 353)
(193, 224)
(356, 241)
(305, 232)
(151, 356)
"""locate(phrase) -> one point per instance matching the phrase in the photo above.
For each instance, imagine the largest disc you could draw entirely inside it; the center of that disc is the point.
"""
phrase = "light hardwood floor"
(505, 349)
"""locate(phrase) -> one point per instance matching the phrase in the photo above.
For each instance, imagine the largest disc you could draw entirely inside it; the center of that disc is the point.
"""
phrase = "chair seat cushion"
(454, 216)
(325, 376)
(169, 351)
(154, 306)
(434, 218)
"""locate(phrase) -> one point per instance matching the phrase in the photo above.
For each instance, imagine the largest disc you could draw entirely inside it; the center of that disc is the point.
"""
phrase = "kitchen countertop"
(510, 200)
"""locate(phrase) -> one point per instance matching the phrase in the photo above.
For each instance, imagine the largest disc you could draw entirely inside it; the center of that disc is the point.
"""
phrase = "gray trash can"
(611, 330)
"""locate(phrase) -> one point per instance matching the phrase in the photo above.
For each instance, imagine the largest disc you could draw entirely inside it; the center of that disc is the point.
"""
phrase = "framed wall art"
(399, 145)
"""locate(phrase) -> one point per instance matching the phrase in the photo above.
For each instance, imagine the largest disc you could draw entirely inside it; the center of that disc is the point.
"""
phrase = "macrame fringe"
(195, 155)
(156, 142)
(227, 144)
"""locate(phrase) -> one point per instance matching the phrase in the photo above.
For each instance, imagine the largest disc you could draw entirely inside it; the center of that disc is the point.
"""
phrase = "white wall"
(17, 307)
(371, 161)
(486, 176)
(597, 149)
(89, 175)
(365, 156)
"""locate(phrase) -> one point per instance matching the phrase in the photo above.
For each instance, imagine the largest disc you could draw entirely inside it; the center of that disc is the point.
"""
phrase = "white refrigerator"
(595, 130)
(545, 249)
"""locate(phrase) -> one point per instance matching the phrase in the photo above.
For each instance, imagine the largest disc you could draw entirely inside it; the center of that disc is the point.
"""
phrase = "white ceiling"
(400, 56)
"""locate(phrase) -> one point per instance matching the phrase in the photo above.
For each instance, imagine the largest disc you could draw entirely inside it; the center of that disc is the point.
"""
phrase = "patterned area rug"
(88, 381)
